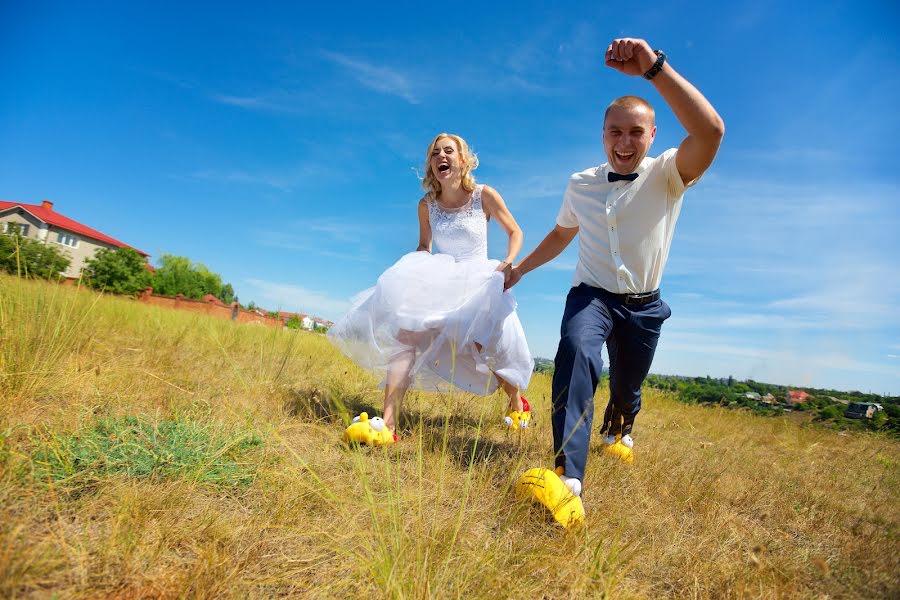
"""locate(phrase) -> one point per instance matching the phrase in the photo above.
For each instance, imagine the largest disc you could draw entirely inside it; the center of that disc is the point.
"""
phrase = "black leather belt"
(644, 298)
(639, 299)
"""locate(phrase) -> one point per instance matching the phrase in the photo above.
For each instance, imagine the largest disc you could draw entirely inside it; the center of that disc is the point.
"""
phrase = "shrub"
(31, 258)
(121, 271)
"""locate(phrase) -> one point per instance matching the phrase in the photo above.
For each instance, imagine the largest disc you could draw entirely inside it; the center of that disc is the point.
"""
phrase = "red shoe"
(516, 419)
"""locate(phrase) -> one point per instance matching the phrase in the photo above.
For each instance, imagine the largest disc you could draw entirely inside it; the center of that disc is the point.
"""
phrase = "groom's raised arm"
(705, 128)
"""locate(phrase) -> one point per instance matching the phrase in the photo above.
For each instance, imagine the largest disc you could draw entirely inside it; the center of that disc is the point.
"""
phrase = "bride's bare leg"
(515, 399)
(398, 379)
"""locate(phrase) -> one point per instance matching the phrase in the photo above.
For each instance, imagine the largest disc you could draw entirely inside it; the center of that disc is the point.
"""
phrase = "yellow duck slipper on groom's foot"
(545, 486)
(372, 432)
(619, 447)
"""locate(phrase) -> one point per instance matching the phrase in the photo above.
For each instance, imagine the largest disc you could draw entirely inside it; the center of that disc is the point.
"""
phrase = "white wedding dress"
(432, 309)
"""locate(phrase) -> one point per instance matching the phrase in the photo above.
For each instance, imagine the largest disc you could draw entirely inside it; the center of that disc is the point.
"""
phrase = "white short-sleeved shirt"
(625, 228)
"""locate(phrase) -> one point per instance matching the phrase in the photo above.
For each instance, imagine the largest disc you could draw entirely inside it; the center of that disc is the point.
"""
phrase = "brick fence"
(209, 305)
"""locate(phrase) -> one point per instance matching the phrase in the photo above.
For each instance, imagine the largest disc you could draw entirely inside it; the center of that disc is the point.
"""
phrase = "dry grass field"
(148, 453)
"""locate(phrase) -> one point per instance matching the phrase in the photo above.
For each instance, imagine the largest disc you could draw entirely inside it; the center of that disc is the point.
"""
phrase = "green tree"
(178, 275)
(121, 271)
(879, 420)
(831, 412)
(31, 258)
(226, 294)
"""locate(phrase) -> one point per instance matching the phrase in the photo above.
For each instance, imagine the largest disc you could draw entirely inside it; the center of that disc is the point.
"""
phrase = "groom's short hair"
(628, 103)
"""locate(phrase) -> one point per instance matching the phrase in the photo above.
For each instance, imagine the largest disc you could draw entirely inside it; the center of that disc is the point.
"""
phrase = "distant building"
(321, 323)
(305, 321)
(752, 396)
(796, 397)
(768, 399)
(40, 222)
(862, 410)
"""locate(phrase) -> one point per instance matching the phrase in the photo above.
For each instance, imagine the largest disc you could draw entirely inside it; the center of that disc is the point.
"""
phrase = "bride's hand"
(506, 269)
(513, 278)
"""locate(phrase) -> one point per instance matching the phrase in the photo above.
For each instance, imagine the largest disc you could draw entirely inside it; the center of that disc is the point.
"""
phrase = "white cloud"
(752, 321)
(304, 242)
(786, 154)
(283, 180)
(553, 298)
(285, 296)
(277, 101)
(561, 265)
(375, 77)
(699, 354)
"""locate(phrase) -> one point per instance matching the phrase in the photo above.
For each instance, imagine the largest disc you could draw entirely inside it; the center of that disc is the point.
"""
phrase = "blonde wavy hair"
(467, 159)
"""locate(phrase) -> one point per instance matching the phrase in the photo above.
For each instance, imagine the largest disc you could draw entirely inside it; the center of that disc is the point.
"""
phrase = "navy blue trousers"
(593, 317)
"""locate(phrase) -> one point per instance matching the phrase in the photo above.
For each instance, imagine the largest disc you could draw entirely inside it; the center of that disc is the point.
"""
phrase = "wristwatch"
(657, 66)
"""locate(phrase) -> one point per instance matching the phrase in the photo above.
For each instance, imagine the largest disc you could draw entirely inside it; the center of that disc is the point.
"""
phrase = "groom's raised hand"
(630, 56)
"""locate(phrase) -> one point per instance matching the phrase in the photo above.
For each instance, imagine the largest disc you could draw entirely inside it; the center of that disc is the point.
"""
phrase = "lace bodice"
(460, 232)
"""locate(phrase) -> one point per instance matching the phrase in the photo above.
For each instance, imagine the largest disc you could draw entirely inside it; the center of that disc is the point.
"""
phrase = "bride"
(444, 318)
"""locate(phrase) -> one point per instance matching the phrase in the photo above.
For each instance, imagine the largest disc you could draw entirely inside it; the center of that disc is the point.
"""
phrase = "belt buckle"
(640, 299)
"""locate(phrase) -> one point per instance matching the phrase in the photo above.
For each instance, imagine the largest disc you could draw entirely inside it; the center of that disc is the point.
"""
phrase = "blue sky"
(279, 145)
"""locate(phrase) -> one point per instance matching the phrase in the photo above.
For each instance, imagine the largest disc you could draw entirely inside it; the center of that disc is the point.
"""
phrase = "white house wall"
(41, 231)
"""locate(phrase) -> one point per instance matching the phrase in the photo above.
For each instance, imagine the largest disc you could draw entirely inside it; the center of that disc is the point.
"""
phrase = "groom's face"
(627, 136)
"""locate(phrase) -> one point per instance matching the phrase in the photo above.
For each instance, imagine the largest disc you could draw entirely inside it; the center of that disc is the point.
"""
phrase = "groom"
(625, 212)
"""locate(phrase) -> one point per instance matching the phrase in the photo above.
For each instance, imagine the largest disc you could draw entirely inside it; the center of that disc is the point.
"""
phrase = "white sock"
(627, 441)
(573, 484)
(609, 440)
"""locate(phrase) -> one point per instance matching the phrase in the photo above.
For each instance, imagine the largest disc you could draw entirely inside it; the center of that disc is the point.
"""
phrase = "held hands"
(504, 268)
(513, 278)
(630, 56)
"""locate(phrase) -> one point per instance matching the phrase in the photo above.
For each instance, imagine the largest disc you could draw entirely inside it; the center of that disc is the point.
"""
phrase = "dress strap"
(476, 197)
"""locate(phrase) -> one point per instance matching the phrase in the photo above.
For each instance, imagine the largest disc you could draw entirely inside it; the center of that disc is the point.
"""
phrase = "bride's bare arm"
(495, 207)
(424, 228)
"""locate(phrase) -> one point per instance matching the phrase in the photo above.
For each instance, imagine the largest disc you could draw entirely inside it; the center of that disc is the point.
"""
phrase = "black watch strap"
(657, 66)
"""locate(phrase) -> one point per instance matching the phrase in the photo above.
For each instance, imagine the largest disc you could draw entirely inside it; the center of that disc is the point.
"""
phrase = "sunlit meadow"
(149, 453)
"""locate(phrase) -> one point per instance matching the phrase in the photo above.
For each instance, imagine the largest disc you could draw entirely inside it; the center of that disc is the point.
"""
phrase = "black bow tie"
(613, 176)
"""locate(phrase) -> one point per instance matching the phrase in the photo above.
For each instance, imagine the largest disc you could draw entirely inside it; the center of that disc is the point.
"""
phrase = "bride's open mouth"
(444, 168)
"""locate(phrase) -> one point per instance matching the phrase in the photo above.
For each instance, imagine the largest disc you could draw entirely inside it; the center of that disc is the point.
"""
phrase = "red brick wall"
(211, 308)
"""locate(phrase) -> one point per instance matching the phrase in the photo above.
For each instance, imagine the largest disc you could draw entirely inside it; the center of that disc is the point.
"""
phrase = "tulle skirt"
(433, 312)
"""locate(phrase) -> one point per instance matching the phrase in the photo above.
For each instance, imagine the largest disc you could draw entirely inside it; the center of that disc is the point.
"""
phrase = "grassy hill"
(149, 453)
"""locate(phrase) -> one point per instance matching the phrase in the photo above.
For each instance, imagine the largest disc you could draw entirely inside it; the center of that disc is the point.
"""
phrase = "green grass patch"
(199, 452)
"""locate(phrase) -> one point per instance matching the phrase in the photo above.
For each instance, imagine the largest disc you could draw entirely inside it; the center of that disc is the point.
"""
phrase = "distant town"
(832, 408)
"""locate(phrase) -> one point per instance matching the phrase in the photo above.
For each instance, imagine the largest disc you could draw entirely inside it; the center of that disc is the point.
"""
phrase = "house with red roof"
(796, 397)
(305, 321)
(40, 222)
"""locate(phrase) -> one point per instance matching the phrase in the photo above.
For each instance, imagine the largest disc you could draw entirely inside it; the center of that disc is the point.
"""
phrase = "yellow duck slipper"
(621, 449)
(372, 432)
(515, 419)
(545, 486)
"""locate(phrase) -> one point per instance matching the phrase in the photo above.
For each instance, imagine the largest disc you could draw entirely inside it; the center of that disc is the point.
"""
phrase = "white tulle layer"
(438, 308)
